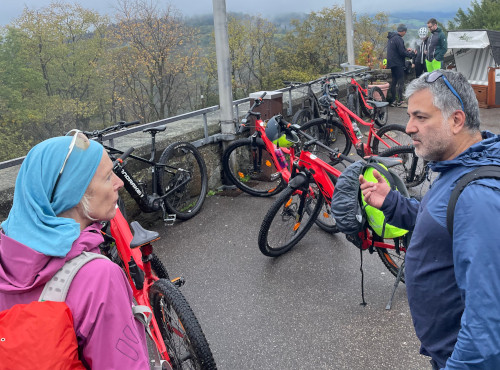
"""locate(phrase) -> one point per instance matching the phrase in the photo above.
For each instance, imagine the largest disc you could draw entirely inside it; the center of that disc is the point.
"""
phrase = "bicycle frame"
(147, 202)
(345, 116)
(260, 131)
(132, 258)
(360, 92)
(317, 170)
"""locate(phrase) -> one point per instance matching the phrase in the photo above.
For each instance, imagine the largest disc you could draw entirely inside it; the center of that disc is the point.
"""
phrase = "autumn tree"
(370, 33)
(154, 54)
(252, 49)
(62, 45)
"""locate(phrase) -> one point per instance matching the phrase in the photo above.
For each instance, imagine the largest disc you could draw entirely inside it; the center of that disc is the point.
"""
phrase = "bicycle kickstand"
(396, 283)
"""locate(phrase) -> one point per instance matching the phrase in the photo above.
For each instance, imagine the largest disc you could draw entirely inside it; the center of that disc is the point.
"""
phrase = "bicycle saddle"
(387, 161)
(378, 104)
(141, 235)
(155, 129)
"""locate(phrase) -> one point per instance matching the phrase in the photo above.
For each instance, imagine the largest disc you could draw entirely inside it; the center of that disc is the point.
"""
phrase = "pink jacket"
(99, 297)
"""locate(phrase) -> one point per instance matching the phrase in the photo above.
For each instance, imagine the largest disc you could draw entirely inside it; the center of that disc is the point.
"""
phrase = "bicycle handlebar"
(118, 126)
(119, 161)
(243, 124)
(287, 126)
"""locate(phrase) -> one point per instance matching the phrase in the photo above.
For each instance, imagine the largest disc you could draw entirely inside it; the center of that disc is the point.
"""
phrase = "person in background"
(64, 187)
(396, 56)
(437, 45)
(451, 280)
(419, 59)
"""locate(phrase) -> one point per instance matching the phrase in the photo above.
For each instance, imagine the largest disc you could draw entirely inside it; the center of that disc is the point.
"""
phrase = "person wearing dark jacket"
(396, 55)
(436, 46)
(451, 280)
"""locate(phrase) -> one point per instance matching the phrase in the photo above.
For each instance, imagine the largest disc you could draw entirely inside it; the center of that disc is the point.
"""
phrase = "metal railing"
(207, 139)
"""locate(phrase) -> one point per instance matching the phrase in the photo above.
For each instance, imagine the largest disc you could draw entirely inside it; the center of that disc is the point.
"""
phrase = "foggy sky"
(11, 9)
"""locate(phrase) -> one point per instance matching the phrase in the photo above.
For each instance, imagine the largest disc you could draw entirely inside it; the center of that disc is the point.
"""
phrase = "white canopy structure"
(475, 51)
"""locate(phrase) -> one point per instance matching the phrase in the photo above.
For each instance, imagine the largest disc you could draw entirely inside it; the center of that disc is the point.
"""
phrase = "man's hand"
(374, 192)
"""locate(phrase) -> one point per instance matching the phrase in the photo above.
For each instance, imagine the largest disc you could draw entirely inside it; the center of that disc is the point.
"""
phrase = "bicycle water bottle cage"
(156, 129)
(141, 235)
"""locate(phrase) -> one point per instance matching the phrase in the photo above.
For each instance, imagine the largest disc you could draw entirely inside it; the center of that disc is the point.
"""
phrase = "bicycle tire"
(280, 231)
(158, 267)
(413, 169)
(380, 115)
(247, 164)
(185, 160)
(325, 219)
(180, 329)
(393, 135)
(302, 116)
(391, 260)
(330, 132)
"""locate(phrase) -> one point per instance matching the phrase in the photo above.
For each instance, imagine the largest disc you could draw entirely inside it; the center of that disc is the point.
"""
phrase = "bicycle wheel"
(248, 165)
(390, 258)
(185, 176)
(329, 132)
(380, 114)
(186, 344)
(392, 135)
(412, 170)
(158, 267)
(302, 116)
(325, 219)
(288, 220)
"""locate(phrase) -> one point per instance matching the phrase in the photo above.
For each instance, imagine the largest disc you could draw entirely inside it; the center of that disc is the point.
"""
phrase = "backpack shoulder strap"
(492, 171)
(57, 288)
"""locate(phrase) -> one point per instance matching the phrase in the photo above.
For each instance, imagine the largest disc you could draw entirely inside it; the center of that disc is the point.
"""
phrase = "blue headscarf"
(33, 218)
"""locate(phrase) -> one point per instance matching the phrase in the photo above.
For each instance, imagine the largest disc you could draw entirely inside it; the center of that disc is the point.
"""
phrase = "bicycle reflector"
(375, 217)
(280, 137)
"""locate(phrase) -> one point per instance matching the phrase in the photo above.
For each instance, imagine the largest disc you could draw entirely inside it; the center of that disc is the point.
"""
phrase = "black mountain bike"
(179, 181)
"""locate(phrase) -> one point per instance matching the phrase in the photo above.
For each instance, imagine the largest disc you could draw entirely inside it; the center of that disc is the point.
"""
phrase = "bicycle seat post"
(153, 145)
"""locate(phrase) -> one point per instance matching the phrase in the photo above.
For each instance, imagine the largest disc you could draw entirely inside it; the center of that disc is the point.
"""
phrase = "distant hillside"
(415, 20)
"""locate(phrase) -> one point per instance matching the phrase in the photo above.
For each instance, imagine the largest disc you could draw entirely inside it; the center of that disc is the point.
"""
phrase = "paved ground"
(299, 311)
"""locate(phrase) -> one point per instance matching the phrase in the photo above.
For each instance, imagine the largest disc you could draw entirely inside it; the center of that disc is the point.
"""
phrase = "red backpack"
(40, 335)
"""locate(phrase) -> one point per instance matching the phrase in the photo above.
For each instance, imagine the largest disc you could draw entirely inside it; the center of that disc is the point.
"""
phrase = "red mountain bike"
(358, 98)
(312, 184)
(336, 131)
(170, 321)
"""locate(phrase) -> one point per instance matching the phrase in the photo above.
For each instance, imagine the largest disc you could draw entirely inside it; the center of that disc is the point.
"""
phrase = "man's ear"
(457, 121)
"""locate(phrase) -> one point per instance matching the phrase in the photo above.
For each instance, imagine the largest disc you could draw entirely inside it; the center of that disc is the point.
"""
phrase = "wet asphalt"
(298, 311)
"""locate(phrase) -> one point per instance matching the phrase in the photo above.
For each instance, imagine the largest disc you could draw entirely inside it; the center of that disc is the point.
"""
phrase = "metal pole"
(223, 66)
(349, 33)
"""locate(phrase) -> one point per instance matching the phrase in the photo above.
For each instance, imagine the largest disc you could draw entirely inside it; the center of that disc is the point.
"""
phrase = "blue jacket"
(453, 285)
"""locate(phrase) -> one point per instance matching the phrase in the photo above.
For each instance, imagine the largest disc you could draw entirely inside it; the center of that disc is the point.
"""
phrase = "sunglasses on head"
(434, 76)
(79, 141)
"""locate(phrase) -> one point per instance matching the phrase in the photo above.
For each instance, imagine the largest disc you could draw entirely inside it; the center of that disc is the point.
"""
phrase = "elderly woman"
(65, 185)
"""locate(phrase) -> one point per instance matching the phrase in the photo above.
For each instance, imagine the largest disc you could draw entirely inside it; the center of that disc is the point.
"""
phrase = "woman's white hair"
(85, 203)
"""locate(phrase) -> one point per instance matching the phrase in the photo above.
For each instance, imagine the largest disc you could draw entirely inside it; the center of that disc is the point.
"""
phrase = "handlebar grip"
(126, 124)
(120, 159)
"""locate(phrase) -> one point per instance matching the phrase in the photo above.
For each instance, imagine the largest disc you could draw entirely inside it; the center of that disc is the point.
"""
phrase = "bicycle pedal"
(169, 219)
(178, 281)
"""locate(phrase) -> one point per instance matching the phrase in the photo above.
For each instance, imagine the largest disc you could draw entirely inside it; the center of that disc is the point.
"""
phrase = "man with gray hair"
(452, 278)
(396, 55)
